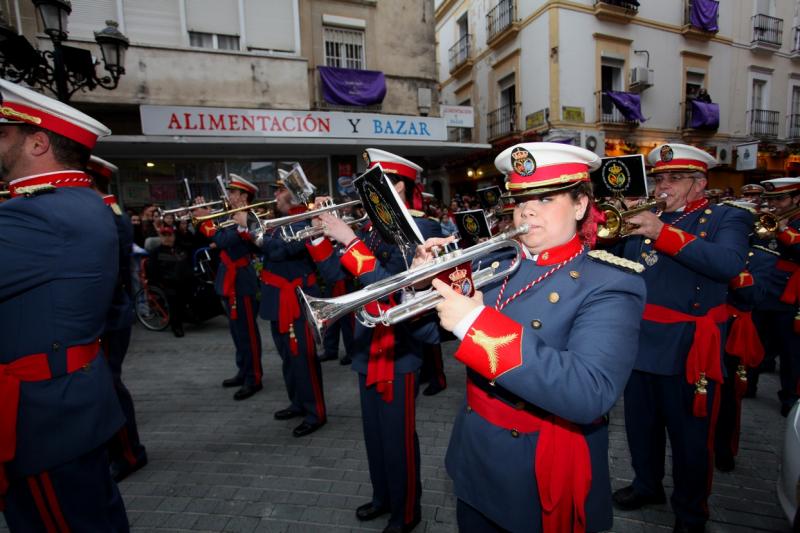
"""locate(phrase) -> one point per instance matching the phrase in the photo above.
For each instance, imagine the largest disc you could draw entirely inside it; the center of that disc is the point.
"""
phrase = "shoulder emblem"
(765, 249)
(619, 262)
(35, 190)
(729, 203)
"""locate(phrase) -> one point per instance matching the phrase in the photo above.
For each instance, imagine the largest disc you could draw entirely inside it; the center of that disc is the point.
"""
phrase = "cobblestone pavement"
(221, 465)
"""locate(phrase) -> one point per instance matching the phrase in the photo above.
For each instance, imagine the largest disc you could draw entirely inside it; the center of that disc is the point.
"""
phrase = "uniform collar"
(61, 178)
(559, 253)
(296, 210)
(692, 206)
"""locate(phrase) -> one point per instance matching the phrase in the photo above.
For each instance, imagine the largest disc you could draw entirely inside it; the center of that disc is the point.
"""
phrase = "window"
(463, 26)
(795, 106)
(610, 80)
(757, 97)
(460, 134)
(344, 48)
(213, 41)
(508, 91)
(694, 82)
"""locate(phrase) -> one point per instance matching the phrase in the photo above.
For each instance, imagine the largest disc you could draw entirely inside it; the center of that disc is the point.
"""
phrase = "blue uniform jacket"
(289, 260)
(687, 271)
(121, 313)
(237, 245)
(58, 268)
(750, 288)
(389, 261)
(579, 331)
(779, 277)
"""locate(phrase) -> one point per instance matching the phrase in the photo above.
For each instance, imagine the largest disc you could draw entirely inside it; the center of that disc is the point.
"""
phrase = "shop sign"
(747, 156)
(231, 122)
(536, 119)
(458, 116)
(572, 114)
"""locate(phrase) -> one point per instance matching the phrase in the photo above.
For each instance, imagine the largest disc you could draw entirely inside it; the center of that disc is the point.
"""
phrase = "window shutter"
(213, 16)
(90, 16)
(270, 25)
(154, 22)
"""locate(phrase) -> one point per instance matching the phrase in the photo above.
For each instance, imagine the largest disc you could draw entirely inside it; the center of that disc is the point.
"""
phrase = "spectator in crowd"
(170, 267)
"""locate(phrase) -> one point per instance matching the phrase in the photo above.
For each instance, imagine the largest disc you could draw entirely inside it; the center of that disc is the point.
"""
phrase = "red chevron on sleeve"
(493, 345)
(320, 252)
(744, 279)
(358, 259)
(208, 229)
(672, 240)
(789, 237)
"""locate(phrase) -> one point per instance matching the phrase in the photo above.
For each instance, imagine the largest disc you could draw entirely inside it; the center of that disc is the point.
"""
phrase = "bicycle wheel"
(152, 308)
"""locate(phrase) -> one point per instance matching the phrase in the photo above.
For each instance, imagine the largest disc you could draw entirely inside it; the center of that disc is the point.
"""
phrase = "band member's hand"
(200, 211)
(649, 225)
(337, 229)
(427, 250)
(240, 217)
(454, 307)
(320, 201)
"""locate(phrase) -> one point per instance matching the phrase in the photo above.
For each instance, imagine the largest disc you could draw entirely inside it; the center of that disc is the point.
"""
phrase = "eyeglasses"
(670, 178)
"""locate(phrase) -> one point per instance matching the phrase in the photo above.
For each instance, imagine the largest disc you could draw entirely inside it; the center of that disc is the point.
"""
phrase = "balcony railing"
(794, 127)
(796, 40)
(500, 18)
(459, 52)
(628, 5)
(503, 121)
(767, 30)
(609, 114)
(763, 123)
(698, 24)
(705, 122)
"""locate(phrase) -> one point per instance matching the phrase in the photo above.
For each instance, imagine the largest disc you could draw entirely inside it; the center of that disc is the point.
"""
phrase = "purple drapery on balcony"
(704, 115)
(704, 15)
(347, 86)
(629, 104)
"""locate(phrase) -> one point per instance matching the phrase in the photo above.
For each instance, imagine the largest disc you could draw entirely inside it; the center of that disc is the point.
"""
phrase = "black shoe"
(246, 391)
(306, 429)
(286, 414)
(433, 390)
(405, 528)
(680, 527)
(177, 330)
(346, 360)
(628, 499)
(369, 512)
(233, 382)
(724, 463)
(122, 469)
(329, 357)
(785, 408)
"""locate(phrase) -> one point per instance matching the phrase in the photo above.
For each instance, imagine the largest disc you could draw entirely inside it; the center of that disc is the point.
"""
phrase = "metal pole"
(60, 72)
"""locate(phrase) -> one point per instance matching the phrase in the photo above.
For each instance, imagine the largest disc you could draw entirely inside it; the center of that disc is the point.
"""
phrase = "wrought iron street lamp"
(63, 70)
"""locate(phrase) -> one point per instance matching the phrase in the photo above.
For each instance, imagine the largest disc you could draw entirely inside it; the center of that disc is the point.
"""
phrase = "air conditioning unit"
(594, 141)
(725, 154)
(641, 78)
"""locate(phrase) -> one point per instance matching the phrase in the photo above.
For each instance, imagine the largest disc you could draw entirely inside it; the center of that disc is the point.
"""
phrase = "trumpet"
(227, 212)
(322, 312)
(162, 212)
(767, 223)
(288, 234)
(616, 225)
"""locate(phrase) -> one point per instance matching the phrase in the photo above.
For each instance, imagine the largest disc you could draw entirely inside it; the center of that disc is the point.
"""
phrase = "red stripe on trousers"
(39, 500)
(255, 347)
(53, 501)
(411, 459)
(710, 444)
(127, 450)
(311, 357)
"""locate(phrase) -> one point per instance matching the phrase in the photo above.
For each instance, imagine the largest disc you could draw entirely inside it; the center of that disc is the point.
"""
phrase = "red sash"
(288, 306)
(32, 367)
(229, 281)
(562, 462)
(703, 360)
(380, 367)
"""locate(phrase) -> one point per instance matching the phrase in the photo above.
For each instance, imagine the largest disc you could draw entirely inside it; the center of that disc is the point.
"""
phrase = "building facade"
(622, 76)
(217, 86)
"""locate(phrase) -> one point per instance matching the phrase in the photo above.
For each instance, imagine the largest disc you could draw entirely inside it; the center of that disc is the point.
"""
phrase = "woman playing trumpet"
(548, 351)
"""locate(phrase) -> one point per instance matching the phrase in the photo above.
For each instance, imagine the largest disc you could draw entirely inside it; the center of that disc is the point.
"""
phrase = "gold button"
(750, 254)
(545, 256)
(514, 433)
(644, 254)
(536, 324)
(554, 297)
(696, 305)
(469, 409)
(703, 234)
(495, 265)
(647, 241)
(703, 220)
(574, 274)
(708, 211)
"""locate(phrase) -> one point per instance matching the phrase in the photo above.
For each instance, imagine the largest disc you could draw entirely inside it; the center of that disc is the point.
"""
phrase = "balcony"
(767, 33)
(503, 121)
(621, 11)
(793, 134)
(460, 60)
(501, 23)
(609, 116)
(699, 117)
(700, 19)
(762, 123)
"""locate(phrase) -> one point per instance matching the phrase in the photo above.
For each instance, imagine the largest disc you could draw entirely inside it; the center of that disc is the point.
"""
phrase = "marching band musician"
(58, 269)
(752, 192)
(386, 358)
(287, 265)
(548, 351)
(690, 251)
(780, 307)
(126, 452)
(237, 284)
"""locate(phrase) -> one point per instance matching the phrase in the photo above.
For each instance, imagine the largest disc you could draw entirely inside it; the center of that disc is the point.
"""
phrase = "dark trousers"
(178, 295)
(77, 496)
(124, 446)
(302, 372)
(392, 446)
(344, 326)
(726, 435)
(246, 338)
(432, 370)
(657, 406)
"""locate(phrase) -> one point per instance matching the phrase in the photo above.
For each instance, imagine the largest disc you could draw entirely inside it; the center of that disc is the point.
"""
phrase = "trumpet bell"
(616, 224)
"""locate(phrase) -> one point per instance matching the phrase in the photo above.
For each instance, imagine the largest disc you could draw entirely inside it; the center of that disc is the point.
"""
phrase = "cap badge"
(522, 162)
(666, 153)
(769, 186)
